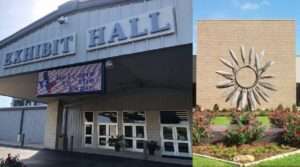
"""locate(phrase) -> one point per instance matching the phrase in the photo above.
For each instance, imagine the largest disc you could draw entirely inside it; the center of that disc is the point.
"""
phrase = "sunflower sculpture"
(246, 82)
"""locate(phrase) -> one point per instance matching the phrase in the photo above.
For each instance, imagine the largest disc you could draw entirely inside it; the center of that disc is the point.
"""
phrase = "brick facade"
(215, 38)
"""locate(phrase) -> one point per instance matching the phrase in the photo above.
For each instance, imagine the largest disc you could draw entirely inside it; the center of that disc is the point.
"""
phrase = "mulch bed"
(258, 150)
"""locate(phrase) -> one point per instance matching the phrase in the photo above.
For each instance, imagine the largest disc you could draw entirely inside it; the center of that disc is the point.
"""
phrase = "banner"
(78, 79)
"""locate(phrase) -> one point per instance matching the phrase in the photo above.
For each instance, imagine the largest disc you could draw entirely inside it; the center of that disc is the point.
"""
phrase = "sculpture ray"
(267, 86)
(256, 97)
(262, 91)
(243, 54)
(251, 55)
(266, 66)
(227, 63)
(261, 95)
(234, 58)
(225, 84)
(267, 76)
(231, 94)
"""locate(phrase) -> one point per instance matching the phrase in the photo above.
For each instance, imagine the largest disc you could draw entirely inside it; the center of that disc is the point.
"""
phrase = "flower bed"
(258, 150)
(246, 139)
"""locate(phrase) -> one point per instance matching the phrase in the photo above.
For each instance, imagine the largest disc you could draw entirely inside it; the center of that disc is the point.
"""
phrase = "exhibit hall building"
(107, 68)
(247, 62)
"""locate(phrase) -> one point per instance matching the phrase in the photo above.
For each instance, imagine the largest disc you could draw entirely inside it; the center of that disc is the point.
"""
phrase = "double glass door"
(176, 140)
(107, 127)
(134, 137)
(105, 132)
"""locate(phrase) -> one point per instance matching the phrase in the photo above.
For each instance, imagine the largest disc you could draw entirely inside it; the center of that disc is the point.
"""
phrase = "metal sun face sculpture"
(246, 83)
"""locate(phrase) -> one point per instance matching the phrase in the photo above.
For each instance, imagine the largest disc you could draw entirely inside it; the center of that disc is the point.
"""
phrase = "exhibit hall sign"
(147, 25)
(77, 79)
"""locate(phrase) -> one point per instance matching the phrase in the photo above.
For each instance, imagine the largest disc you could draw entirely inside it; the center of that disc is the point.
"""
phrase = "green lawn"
(290, 161)
(204, 162)
(226, 120)
(221, 121)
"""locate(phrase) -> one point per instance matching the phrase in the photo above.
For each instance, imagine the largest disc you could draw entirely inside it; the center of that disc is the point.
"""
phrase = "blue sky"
(248, 9)
(17, 14)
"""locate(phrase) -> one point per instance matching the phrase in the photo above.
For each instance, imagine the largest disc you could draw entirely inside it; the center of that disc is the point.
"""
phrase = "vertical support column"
(53, 124)
(95, 131)
(153, 126)
(190, 117)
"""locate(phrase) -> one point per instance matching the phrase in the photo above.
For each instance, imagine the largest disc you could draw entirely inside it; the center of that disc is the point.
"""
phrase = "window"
(298, 94)
(134, 117)
(88, 128)
(174, 117)
(107, 117)
(88, 116)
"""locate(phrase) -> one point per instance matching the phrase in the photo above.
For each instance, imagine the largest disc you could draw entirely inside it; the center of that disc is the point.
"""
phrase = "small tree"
(216, 108)
(280, 107)
(294, 108)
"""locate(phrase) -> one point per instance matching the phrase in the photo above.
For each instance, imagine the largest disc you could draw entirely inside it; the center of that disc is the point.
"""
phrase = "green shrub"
(245, 130)
(290, 123)
(201, 122)
(280, 107)
(294, 108)
(216, 108)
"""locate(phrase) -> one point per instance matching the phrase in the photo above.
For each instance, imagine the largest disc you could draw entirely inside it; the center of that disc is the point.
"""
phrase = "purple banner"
(78, 79)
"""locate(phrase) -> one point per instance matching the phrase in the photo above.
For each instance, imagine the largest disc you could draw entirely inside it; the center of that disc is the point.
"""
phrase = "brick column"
(54, 111)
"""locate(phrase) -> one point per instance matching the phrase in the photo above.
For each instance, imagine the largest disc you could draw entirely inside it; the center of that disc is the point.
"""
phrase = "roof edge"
(66, 8)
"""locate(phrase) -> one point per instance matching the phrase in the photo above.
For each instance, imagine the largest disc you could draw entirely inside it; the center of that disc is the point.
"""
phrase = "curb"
(249, 163)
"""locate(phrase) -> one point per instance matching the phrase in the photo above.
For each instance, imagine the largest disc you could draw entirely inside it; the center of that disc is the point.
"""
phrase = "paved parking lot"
(50, 158)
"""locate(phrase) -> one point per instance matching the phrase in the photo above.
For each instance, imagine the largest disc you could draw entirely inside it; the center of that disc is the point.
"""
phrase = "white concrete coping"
(249, 163)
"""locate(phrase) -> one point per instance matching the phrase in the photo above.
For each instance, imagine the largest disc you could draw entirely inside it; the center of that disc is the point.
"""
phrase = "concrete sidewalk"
(50, 158)
(15, 143)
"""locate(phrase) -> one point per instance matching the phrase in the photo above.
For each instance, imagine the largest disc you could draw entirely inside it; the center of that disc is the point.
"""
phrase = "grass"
(204, 162)
(226, 120)
(290, 161)
(221, 121)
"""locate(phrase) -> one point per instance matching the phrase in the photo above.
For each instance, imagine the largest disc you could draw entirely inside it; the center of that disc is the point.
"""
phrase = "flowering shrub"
(290, 122)
(201, 122)
(245, 129)
(11, 161)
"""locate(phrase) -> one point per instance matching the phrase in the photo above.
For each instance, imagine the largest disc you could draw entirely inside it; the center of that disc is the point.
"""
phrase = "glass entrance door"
(105, 132)
(107, 127)
(134, 128)
(175, 133)
(134, 137)
(175, 140)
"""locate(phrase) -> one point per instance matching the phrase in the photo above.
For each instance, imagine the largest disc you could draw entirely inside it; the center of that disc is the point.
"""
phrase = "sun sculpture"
(246, 82)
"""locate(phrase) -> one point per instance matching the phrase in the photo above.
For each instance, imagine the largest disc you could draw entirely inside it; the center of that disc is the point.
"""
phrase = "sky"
(247, 9)
(17, 14)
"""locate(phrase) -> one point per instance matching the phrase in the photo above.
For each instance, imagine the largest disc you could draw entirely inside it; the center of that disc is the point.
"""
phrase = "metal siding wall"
(81, 22)
(75, 126)
(9, 125)
(34, 126)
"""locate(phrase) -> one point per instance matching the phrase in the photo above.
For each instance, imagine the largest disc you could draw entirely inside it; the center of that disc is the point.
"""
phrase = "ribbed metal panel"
(34, 126)
(75, 126)
(83, 20)
(142, 99)
(9, 125)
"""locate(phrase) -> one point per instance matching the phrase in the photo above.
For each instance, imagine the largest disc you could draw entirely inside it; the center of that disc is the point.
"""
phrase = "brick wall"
(214, 40)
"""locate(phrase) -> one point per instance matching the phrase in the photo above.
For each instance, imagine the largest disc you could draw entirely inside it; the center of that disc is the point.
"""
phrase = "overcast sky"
(17, 14)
